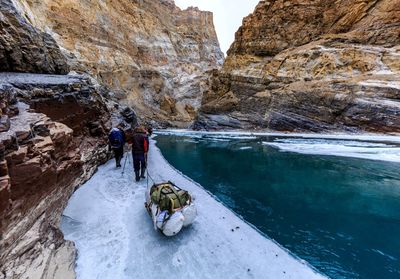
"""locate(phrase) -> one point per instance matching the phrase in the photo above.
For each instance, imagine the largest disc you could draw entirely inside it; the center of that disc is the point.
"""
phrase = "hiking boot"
(118, 162)
(142, 173)
(137, 177)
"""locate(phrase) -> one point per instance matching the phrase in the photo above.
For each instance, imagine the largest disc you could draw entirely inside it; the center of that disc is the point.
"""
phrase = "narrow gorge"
(71, 70)
(150, 54)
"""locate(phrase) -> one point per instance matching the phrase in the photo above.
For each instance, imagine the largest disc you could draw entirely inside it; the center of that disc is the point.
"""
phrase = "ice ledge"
(240, 133)
(115, 238)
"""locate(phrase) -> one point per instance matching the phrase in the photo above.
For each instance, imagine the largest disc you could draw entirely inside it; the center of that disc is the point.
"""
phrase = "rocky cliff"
(311, 65)
(53, 138)
(53, 128)
(150, 53)
(24, 48)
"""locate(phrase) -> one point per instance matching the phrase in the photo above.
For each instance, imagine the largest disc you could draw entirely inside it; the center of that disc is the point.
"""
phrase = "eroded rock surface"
(151, 53)
(56, 139)
(24, 48)
(311, 65)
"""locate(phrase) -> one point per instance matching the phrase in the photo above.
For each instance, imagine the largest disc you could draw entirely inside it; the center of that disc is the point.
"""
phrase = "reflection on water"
(340, 214)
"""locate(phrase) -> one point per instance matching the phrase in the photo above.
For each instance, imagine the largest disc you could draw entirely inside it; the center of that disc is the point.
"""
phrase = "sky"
(228, 15)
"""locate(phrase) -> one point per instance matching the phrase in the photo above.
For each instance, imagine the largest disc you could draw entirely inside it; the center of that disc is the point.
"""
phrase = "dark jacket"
(140, 143)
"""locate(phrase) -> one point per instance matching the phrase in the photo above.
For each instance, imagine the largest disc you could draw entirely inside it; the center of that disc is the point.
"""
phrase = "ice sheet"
(242, 134)
(115, 238)
(355, 149)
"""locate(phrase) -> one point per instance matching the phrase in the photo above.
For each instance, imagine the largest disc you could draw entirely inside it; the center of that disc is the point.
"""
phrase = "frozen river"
(333, 200)
(115, 238)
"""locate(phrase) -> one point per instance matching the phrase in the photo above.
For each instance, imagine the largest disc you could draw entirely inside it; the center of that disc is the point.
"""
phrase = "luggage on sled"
(170, 207)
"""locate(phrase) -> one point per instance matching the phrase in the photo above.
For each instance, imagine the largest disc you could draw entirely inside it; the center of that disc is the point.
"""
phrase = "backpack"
(116, 138)
(169, 197)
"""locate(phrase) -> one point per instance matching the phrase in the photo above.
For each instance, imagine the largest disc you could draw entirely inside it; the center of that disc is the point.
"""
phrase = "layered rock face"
(311, 65)
(53, 127)
(54, 140)
(150, 53)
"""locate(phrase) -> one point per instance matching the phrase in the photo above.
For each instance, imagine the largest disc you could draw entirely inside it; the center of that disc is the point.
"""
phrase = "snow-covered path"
(115, 237)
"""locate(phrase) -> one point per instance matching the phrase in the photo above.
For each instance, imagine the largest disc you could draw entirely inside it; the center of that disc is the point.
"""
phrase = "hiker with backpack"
(117, 141)
(140, 147)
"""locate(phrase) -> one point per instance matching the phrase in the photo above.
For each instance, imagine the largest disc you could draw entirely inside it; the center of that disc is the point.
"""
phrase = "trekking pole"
(123, 169)
(129, 159)
(126, 158)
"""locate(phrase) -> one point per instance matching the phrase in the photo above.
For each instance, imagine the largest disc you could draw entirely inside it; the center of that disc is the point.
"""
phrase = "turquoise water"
(340, 214)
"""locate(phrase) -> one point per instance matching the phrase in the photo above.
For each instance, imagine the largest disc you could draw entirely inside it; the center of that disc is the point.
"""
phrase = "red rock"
(4, 123)
(26, 171)
(18, 156)
(41, 175)
(4, 196)
(3, 168)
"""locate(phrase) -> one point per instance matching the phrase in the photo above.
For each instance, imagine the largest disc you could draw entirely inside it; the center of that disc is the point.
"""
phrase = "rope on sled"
(149, 176)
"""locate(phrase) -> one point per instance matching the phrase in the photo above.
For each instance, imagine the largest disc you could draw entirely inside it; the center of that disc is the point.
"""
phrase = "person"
(149, 130)
(117, 141)
(140, 147)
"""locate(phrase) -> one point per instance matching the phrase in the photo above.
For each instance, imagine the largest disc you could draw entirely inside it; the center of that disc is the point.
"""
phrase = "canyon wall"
(150, 53)
(54, 135)
(310, 65)
(145, 54)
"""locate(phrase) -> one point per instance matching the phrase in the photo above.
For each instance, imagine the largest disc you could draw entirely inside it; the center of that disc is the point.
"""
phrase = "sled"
(170, 207)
